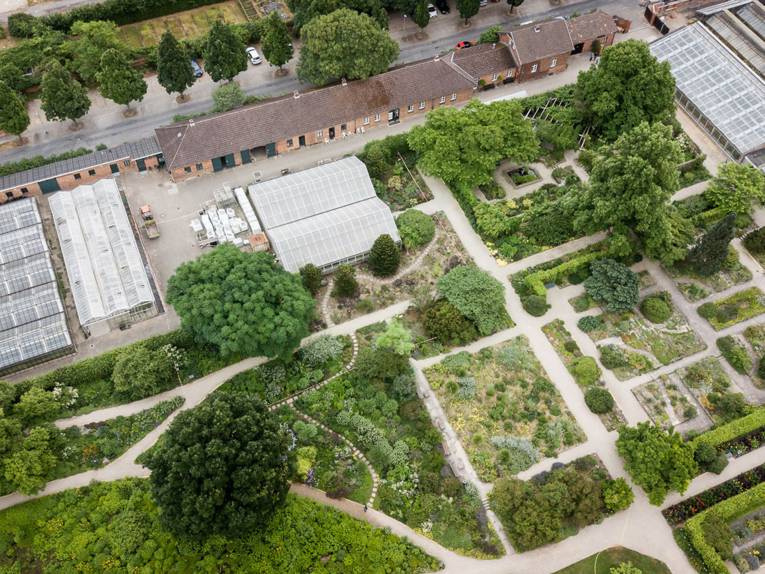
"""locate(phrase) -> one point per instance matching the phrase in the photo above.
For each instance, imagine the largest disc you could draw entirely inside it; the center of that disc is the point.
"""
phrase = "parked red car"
(464, 44)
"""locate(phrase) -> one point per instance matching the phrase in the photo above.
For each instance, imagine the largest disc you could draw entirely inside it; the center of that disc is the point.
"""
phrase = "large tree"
(277, 44)
(421, 17)
(657, 460)
(307, 10)
(89, 43)
(344, 44)
(27, 468)
(736, 187)
(174, 71)
(708, 256)
(627, 87)
(14, 118)
(243, 303)
(631, 184)
(224, 53)
(463, 147)
(118, 80)
(468, 9)
(63, 97)
(477, 295)
(223, 468)
(141, 372)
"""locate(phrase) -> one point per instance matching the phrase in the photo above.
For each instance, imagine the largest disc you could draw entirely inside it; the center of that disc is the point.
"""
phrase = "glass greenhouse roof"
(717, 83)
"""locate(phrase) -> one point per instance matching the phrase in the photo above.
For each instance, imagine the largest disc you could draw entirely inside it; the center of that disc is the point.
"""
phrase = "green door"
(115, 168)
(246, 156)
(271, 150)
(217, 163)
(141, 164)
(49, 186)
(229, 159)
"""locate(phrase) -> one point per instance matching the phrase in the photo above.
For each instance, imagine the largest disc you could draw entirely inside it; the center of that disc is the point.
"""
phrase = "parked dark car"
(443, 6)
(198, 73)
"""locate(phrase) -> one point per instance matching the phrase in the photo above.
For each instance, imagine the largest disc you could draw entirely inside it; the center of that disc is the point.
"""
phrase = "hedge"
(536, 281)
(40, 160)
(733, 429)
(727, 509)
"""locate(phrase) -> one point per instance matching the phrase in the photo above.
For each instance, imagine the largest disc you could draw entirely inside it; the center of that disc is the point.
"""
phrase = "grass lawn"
(734, 309)
(184, 25)
(505, 410)
(602, 562)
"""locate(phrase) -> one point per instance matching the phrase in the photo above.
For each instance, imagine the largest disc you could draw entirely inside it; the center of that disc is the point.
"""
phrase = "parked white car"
(253, 55)
(432, 11)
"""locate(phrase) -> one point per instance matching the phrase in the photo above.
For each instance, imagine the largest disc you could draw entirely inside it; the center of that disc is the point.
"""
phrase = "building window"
(553, 62)
(410, 108)
(200, 167)
(289, 142)
(24, 190)
(319, 134)
(343, 127)
(91, 172)
(422, 105)
(9, 194)
(187, 169)
(442, 100)
(377, 117)
(454, 96)
(77, 176)
(366, 120)
(534, 68)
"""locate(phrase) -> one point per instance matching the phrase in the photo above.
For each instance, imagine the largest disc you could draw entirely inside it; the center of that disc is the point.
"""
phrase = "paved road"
(105, 123)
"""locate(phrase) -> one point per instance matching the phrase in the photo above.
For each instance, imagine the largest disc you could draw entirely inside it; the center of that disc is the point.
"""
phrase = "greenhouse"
(106, 273)
(32, 320)
(327, 216)
(717, 89)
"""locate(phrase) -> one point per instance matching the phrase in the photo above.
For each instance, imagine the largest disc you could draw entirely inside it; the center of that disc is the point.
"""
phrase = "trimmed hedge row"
(536, 281)
(40, 160)
(733, 429)
(727, 509)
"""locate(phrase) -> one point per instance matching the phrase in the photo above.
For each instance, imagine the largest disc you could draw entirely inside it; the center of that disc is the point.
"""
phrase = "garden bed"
(734, 309)
(522, 176)
(624, 362)
(504, 409)
(583, 302)
(702, 378)
(695, 287)
(755, 338)
(666, 402)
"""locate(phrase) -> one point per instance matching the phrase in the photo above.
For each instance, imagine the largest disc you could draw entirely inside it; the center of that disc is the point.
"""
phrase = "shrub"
(384, 257)
(444, 322)
(617, 495)
(310, 275)
(599, 400)
(728, 406)
(227, 97)
(656, 309)
(321, 351)
(477, 295)
(735, 353)
(415, 228)
(755, 241)
(586, 371)
(535, 305)
(709, 458)
(22, 25)
(346, 285)
(613, 284)
(590, 323)
(141, 372)
(612, 357)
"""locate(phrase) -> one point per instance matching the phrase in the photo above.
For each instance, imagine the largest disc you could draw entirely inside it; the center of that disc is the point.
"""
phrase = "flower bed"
(739, 436)
(734, 309)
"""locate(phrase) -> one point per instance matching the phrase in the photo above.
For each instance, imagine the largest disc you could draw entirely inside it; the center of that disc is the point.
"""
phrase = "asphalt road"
(143, 124)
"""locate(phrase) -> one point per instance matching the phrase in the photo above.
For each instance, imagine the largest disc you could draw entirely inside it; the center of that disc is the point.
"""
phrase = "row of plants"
(737, 435)
(554, 505)
(116, 526)
(39, 160)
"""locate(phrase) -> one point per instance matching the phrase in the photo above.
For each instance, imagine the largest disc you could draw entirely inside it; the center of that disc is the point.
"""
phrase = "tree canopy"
(141, 372)
(242, 303)
(118, 80)
(306, 10)
(627, 87)
(477, 295)
(14, 118)
(659, 461)
(277, 44)
(421, 17)
(613, 284)
(468, 8)
(224, 53)
(63, 97)
(708, 256)
(222, 468)
(631, 184)
(344, 44)
(91, 40)
(463, 147)
(174, 71)
(736, 187)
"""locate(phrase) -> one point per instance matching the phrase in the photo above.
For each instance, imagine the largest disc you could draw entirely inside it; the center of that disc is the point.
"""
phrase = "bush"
(755, 241)
(612, 357)
(22, 25)
(613, 284)
(617, 495)
(447, 325)
(535, 305)
(142, 372)
(728, 406)
(477, 295)
(311, 277)
(227, 97)
(321, 351)
(586, 371)
(384, 257)
(590, 323)
(656, 309)
(346, 285)
(599, 400)
(415, 228)
(735, 353)
(709, 458)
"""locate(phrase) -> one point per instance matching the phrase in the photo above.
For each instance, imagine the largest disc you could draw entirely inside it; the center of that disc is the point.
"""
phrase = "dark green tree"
(345, 284)
(12, 76)
(243, 303)
(612, 284)
(599, 400)
(514, 4)
(141, 372)
(174, 71)
(224, 53)
(223, 468)
(63, 97)
(415, 228)
(627, 87)
(420, 15)
(468, 9)
(118, 80)
(477, 295)
(445, 323)
(384, 256)
(277, 44)
(14, 118)
(708, 256)
(658, 461)
(28, 467)
(90, 41)
(311, 275)
(344, 44)
(307, 10)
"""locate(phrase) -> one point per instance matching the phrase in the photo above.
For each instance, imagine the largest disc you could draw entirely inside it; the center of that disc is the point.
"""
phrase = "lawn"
(695, 287)
(602, 562)
(504, 409)
(734, 309)
(185, 25)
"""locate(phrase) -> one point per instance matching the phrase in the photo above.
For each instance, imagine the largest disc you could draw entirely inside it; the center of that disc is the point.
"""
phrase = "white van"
(253, 55)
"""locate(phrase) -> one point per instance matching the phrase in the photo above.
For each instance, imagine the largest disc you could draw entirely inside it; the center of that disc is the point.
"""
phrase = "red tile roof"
(590, 26)
(539, 40)
(483, 59)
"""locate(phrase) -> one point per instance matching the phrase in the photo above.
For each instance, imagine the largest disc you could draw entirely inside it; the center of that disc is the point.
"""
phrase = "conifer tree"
(421, 16)
(708, 256)
(277, 45)
(311, 276)
(224, 53)
(384, 256)
(14, 118)
(63, 97)
(118, 80)
(345, 282)
(174, 71)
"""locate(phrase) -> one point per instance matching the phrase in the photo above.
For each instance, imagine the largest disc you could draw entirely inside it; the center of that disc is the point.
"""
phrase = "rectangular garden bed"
(666, 402)
(734, 309)
(695, 287)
